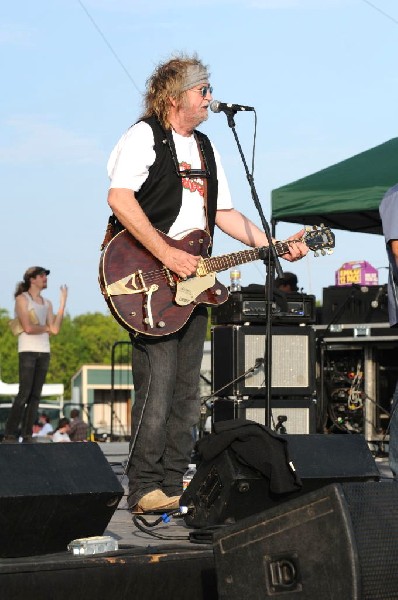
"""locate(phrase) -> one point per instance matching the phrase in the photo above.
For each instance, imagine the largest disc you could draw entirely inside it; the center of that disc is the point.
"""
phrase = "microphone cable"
(144, 525)
(257, 365)
(134, 440)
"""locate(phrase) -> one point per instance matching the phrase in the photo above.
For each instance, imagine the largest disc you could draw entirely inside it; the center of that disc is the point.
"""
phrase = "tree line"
(85, 339)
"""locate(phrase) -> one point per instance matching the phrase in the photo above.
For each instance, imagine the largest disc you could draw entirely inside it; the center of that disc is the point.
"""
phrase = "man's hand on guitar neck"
(297, 248)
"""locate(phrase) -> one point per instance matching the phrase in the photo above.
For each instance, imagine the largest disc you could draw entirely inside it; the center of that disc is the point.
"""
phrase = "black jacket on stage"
(256, 446)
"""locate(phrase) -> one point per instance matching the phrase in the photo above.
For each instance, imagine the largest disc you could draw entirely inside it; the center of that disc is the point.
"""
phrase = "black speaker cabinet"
(300, 412)
(355, 304)
(51, 494)
(224, 490)
(320, 459)
(236, 349)
(336, 543)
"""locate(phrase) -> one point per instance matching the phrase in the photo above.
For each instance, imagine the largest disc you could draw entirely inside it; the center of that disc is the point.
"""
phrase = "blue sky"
(321, 74)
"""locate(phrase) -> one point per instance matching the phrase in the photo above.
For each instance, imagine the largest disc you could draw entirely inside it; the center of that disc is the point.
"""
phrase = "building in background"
(52, 401)
(104, 396)
(105, 393)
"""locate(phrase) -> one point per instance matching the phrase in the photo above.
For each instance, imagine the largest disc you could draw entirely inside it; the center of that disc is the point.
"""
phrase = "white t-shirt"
(35, 342)
(129, 163)
(59, 436)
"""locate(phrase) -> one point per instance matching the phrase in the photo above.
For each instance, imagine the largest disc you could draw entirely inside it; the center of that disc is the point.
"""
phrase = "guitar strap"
(113, 227)
(204, 167)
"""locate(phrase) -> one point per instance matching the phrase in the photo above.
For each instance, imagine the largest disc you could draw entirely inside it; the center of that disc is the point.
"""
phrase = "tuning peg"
(323, 252)
(316, 254)
(329, 250)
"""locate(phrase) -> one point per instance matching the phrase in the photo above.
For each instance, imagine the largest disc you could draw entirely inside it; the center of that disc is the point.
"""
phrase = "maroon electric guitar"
(146, 297)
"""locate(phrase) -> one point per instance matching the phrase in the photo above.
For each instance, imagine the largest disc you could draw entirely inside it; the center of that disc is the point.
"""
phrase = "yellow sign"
(347, 276)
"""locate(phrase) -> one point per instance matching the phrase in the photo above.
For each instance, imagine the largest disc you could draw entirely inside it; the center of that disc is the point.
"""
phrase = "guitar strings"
(219, 262)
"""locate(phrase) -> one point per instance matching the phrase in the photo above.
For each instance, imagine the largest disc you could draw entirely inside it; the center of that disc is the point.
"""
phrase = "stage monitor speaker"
(300, 412)
(225, 490)
(335, 543)
(237, 349)
(51, 494)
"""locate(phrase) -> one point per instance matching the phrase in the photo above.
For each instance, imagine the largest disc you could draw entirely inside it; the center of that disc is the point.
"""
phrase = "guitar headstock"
(319, 238)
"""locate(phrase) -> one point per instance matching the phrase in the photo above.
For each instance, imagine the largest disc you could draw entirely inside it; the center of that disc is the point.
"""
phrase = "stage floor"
(168, 566)
(122, 527)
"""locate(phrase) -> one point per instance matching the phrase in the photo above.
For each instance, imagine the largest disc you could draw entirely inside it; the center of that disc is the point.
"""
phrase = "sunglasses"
(206, 89)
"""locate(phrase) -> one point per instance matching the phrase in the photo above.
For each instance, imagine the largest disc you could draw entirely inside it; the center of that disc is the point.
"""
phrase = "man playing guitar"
(167, 177)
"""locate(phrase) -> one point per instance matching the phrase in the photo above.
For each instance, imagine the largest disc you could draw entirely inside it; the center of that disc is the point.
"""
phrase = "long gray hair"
(171, 79)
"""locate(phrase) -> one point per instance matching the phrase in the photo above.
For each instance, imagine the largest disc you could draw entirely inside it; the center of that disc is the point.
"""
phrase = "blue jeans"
(33, 367)
(393, 443)
(166, 374)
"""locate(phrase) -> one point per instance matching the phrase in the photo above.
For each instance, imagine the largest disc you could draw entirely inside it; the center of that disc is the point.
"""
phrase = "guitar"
(146, 297)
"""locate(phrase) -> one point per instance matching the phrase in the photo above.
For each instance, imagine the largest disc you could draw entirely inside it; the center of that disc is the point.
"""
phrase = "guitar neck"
(227, 261)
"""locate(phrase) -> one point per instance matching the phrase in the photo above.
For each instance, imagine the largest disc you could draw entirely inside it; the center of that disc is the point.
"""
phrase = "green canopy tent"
(344, 196)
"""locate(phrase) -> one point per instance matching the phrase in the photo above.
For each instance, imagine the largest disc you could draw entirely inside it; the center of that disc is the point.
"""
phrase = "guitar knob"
(218, 292)
(161, 324)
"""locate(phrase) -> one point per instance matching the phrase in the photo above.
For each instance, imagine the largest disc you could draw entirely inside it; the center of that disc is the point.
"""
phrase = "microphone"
(375, 302)
(217, 106)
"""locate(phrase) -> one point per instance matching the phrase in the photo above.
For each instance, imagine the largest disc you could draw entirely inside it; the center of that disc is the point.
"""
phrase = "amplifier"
(248, 307)
(355, 304)
(237, 354)
(297, 415)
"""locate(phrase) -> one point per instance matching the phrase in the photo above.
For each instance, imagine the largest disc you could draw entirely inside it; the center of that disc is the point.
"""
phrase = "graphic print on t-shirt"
(193, 185)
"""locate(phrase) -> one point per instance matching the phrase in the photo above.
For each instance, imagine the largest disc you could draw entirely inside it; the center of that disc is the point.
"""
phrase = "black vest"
(160, 196)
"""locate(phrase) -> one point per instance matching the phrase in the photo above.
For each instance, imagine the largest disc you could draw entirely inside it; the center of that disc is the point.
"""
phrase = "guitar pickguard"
(189, 289)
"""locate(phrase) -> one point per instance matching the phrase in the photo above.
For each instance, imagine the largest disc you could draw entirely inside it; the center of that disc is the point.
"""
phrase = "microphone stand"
(272, 263)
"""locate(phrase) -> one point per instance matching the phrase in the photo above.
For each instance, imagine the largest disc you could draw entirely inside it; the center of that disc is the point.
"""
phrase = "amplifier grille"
(236, 350)
(300, 412)
(290, 355)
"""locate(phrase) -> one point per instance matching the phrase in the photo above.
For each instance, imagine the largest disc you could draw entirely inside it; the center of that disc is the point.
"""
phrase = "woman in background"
(37, 321)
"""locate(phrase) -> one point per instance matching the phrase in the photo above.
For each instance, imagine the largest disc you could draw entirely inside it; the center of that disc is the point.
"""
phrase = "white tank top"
(40, 342)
